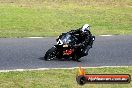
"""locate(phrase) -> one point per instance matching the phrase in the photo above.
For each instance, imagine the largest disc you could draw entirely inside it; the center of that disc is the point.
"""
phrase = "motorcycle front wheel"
(50, 54)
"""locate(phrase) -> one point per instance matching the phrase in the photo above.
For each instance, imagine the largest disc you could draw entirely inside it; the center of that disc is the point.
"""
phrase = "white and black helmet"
(85, 28)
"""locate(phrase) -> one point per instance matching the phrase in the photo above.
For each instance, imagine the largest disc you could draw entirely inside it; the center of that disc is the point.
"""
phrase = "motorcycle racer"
(71, 45)
(84, 38)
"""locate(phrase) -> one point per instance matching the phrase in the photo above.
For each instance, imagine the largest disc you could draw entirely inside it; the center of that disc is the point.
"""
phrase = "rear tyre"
(76, 58)
(50, 54)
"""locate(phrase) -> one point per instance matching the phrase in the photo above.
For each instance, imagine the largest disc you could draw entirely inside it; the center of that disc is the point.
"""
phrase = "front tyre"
(50, 54)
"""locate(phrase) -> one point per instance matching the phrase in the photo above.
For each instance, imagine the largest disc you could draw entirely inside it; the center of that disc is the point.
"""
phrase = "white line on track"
(34, 37)
(105, 35)
(40, 69)
(49, 37)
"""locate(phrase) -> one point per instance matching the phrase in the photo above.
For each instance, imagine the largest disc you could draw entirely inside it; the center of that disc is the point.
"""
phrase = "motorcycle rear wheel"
(75, 57)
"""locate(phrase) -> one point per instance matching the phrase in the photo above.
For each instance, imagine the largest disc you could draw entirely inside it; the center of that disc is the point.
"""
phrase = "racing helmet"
(85, 28)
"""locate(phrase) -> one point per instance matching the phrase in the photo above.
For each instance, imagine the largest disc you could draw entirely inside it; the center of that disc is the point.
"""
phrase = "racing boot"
(86, 50)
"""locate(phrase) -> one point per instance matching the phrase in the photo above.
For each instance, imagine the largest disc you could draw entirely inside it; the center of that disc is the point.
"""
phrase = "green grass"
(23, 18)
(58, 78)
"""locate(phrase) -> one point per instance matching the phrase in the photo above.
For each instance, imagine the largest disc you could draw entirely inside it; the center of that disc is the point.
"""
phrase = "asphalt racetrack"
(27, 53)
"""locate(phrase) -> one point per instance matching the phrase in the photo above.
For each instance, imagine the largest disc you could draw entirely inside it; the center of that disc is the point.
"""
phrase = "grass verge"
(25, 18)
(58, 78)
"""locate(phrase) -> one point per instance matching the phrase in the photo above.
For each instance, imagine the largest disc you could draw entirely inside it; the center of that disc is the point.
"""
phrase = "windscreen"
(67, 38)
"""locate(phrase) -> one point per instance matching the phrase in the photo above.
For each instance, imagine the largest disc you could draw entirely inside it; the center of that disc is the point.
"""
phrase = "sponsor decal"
(60, 42)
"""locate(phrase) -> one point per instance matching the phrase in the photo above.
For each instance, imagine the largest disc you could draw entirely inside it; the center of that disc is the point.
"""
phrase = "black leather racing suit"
(84, 40)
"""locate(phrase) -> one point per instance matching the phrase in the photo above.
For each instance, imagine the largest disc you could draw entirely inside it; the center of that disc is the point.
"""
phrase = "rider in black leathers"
(84, 37)
(84, 40)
